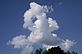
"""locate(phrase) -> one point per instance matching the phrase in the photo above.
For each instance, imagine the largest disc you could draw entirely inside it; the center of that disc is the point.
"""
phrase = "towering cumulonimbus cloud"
(41, 35)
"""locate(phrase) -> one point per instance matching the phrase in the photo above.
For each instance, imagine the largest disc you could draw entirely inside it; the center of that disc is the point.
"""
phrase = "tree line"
(53, 50)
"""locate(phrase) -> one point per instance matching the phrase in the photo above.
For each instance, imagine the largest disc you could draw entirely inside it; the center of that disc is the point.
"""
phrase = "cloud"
(52, 24)
(27, 50)
(60, 3)
(41, 35)
(18, 41)
(67, 44)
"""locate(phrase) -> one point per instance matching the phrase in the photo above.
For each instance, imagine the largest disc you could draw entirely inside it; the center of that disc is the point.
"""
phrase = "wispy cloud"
(41, 35)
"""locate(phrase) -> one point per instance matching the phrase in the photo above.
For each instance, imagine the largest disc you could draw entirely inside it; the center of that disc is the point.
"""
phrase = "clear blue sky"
(68, 14)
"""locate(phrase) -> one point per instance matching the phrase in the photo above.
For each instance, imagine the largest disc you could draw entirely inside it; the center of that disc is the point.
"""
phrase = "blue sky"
(66, 12)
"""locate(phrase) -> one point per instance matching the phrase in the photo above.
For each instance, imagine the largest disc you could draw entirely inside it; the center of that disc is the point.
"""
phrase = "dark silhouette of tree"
(38, 51)
(53, 50)
(67, 52)
(45, 52)
(74, 52)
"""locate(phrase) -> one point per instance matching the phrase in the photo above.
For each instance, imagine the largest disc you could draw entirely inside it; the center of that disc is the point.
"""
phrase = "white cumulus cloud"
(41, 31)
(18, 41)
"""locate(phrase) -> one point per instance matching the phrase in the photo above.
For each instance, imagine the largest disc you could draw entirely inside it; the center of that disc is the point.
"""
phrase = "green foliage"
(38, 51)
(67, 52)
(45, 52)
(74, 52)
(53, 50)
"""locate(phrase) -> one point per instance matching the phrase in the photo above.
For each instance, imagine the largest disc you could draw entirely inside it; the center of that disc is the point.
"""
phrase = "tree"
(67, 52)
(38, 51)
(74, 52)
(53, 50)
(45, 52)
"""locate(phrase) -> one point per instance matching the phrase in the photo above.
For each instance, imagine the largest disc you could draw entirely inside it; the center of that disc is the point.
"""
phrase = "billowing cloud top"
(41, 35)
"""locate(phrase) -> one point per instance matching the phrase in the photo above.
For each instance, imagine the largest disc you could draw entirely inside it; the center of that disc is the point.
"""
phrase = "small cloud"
(67, 44)
(18, 41)
(60, 3)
